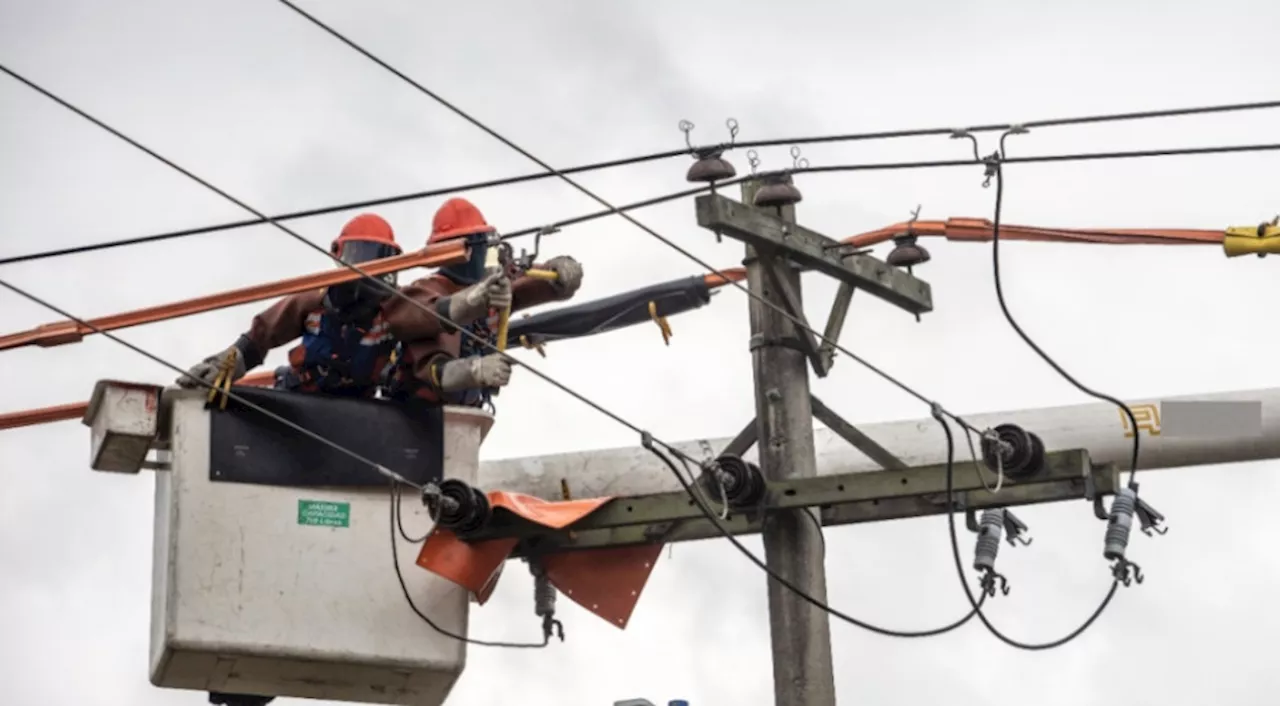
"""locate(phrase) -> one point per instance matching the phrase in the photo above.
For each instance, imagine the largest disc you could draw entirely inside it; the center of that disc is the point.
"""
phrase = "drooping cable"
(955, 552)
(998, 175)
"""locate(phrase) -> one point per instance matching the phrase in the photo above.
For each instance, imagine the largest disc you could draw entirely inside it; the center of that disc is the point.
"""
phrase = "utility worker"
(435, 361)
(346, 342)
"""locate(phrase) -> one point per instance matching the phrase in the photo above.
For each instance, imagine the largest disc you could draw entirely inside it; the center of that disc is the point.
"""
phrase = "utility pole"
(777, 251)
(793, 548)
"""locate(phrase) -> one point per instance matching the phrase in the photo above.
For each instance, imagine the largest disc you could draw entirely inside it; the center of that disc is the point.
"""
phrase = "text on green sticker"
(322, 513)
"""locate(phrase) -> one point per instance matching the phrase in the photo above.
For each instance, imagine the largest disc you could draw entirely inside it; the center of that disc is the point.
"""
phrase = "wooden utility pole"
(800, 632)
(777, 250)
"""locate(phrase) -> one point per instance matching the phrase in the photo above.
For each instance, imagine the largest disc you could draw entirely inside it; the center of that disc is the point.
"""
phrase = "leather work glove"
(474, 302)
(208, 369)
(568, 273)
(475, 372)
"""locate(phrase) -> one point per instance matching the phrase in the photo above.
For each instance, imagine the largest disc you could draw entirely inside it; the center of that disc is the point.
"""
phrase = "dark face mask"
(471, 271)
(362, 296)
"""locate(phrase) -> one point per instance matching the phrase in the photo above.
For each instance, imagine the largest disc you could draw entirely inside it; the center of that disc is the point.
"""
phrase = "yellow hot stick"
(504, 318)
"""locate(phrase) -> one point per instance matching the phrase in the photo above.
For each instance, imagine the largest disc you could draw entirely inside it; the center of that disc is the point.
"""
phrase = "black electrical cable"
(397, 498)
(295, 215)
(638, 159)
(955, 552)
(395, 560)
(998, 174)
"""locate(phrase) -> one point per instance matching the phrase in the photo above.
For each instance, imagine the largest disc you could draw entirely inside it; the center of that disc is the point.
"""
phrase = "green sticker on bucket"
(321, 513)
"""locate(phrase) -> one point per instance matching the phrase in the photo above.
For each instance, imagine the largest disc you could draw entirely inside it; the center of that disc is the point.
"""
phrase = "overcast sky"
(263, 104)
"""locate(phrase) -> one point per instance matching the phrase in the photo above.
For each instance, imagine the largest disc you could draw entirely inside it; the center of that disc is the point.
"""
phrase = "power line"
(647, 438)
(654, 201)
(627, 161)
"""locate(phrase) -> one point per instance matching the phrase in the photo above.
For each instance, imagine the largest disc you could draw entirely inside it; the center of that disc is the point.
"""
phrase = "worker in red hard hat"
(346, 341)
(435, 361)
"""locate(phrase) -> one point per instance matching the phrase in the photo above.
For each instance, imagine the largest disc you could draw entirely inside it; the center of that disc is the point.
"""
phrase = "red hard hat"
(369, 228)
(457, 218)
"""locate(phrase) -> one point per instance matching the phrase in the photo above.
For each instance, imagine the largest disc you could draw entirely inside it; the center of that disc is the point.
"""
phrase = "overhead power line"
(638, 159)
(648, 439)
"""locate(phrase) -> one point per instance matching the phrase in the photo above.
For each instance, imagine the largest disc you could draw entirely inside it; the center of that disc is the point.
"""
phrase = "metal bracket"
(792, 303)
(854, 435)
(766, 232)
(743, 442)
(835, 323)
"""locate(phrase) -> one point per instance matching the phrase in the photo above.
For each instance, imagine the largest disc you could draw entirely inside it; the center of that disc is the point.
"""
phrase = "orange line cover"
(62, 332)
(980, 230)
(607, 582)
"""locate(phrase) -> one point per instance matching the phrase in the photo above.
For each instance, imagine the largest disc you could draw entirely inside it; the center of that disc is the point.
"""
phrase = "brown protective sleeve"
(282, 322)
(408, 321)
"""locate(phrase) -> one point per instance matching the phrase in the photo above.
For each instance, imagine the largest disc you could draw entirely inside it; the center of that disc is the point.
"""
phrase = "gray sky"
(253, 98)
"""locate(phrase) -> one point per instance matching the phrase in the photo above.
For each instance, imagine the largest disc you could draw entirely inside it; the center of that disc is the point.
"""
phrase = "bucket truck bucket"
(273, 572)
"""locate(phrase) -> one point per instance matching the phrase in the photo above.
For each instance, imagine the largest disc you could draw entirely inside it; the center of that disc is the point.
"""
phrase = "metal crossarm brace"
(768, 233)
(792, 303)
(841, 499)
(835, 323)
(743, 442)
(854, 436)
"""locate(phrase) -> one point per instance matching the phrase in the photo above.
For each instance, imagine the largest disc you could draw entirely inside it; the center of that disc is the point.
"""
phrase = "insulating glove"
(207, 370)
(474, 302)
(475, 372)
(568, 273)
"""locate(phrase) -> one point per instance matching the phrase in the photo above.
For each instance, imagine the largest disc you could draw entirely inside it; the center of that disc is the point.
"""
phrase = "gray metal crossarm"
(766, 232)
(841, 499)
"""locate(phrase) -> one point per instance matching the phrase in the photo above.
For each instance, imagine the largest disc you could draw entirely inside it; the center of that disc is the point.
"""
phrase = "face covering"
(471, 271)
(361, 296)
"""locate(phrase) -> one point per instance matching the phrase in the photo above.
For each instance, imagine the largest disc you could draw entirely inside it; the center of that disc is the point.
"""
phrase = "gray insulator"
(1120, 523)
(544, 595)
(989, 533)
